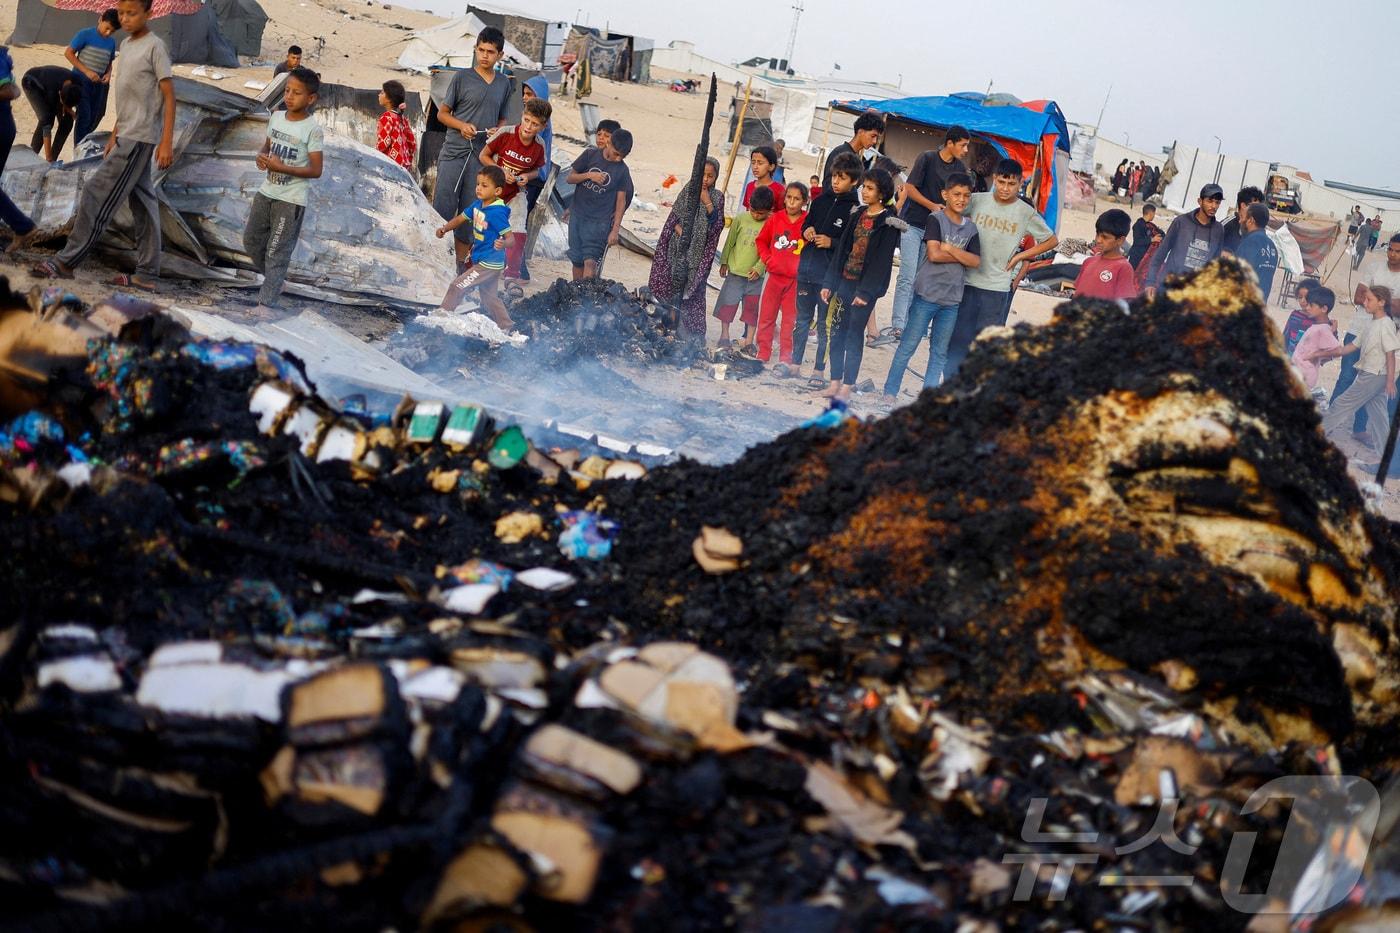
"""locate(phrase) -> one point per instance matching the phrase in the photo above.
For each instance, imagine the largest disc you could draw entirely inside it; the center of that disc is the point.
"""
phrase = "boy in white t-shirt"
(291, 155)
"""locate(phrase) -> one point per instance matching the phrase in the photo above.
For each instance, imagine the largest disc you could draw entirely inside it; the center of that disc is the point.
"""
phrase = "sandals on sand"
(49, 269)
(122, 280)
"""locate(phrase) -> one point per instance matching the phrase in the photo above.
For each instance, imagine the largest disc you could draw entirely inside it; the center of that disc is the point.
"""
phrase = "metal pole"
(826, 138)
(734, 144)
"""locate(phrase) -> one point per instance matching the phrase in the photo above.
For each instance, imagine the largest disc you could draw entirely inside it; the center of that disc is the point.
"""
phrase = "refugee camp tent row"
(195, 33)
(1033, 133)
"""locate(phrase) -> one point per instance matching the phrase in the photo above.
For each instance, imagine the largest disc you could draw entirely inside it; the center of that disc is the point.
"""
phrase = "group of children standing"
(787, 264)
(829, 262)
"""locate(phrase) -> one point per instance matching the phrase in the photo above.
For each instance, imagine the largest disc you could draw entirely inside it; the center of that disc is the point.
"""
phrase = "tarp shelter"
(189, 28)
(452, 45)
(1032, 133)
(542, 40)
(242, 22)
(615, 56)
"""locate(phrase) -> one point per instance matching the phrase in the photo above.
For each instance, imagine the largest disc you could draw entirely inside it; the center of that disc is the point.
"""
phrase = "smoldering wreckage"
(271, 661)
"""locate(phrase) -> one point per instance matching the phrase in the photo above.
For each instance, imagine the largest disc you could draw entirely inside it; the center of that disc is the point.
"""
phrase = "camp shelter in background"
(541, 40)
(1033, 133)
(190, 29)
(242, 22)
(452, 45)
(612, 55)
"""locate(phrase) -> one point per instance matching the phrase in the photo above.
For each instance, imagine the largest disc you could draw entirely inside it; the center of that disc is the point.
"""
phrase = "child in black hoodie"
(858, 277)
(827, 220)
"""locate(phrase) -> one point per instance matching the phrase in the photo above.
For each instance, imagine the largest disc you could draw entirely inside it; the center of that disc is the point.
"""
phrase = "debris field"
(268, 661)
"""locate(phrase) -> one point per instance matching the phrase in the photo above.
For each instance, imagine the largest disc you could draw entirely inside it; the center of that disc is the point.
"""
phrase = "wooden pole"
(734, 144)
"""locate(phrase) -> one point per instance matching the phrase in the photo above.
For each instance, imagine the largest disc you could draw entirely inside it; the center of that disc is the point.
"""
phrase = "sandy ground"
(361, 44)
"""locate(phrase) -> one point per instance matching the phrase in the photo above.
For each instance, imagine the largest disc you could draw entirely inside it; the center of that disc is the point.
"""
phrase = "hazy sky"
(1304, 83)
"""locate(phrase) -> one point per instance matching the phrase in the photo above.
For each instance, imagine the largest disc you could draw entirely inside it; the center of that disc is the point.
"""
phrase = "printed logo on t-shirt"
(785, 242)
(600, 188)
(1106, 275)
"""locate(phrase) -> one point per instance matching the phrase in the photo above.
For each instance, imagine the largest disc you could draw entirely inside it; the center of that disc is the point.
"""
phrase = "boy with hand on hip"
(291, 156)
(604, 191)
(1108, 275)
(490, 224)
(144, 130)
(91, 53)
(951, 246)
(1002, 219)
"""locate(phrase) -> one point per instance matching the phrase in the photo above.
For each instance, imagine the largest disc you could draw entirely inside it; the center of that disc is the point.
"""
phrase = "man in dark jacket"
(1234, 227)
(1192, 240)
(827, 219)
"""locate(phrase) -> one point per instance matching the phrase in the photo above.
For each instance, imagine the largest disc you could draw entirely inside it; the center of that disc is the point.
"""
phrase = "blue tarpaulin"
(1009, 122)
(1030, 133)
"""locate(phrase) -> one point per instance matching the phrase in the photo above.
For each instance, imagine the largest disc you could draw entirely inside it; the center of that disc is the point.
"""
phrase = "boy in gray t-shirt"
(145, 128)
(291, 156)
(475, 104)
(952, 247)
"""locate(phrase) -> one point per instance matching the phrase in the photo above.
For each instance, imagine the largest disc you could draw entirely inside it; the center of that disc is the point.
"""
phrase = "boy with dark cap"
(1192, 240)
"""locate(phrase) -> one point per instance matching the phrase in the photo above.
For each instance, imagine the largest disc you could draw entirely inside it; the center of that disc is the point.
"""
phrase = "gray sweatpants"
(269, 239)
(1368, 391)
(125, 175)
(455, 189)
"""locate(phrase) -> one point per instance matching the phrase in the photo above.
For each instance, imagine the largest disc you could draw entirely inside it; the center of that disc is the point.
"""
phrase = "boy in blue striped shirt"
(91, 53)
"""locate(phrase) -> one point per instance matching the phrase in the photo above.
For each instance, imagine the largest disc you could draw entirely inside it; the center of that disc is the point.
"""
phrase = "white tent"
(451, 45)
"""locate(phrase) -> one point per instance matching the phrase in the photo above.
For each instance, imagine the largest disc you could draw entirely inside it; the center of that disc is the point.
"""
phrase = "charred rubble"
(591, 319)
(267, 661)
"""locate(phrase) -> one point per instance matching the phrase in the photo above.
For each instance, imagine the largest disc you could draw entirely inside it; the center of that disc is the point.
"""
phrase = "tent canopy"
(452, 45)
(1018, 123)
(1031, 133)
(189, 28)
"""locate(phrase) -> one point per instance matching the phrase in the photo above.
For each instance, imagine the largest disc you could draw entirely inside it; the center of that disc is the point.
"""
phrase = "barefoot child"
(780, 247)
(490, 220)
(826, 221)
(741, 268)
(858, 277)
(396, 138)
(145, 128)
(291, 156)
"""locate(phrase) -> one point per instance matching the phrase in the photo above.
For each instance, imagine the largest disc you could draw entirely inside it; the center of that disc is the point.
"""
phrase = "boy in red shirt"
(1108, 275)
(780, 247)
(517, 151)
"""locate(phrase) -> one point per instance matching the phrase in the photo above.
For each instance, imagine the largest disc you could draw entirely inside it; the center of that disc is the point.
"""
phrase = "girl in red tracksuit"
(780, 247)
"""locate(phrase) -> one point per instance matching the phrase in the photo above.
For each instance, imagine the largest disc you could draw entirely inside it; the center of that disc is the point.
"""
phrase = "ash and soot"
(266, 663)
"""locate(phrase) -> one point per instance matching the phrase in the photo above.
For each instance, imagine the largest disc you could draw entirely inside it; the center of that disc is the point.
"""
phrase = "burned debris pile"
(269, 661)
(567, 323)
